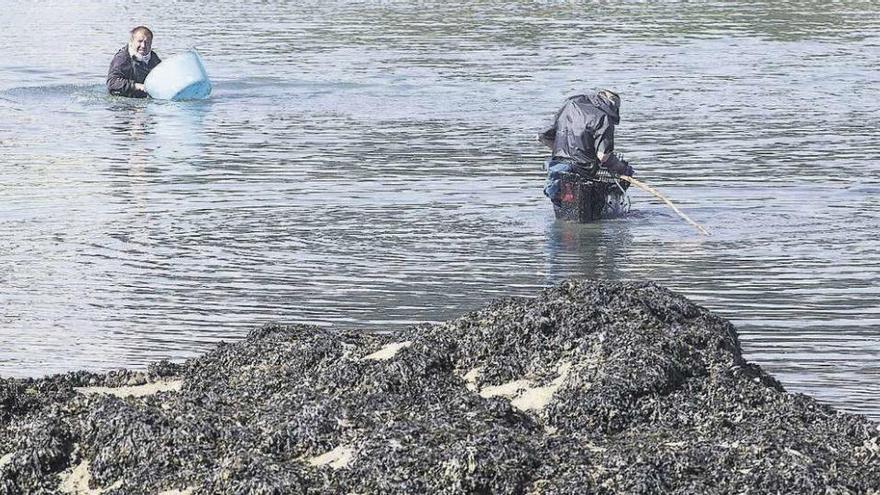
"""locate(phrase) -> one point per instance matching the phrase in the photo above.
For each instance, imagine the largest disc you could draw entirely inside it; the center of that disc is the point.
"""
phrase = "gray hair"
(141, 29)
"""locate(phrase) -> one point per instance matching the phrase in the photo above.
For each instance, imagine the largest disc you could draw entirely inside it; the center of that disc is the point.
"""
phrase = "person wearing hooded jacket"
(131, 64)
(582, 138)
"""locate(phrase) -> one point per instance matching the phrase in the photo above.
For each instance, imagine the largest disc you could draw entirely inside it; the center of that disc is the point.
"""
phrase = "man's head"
(611, 97)
(140, 43)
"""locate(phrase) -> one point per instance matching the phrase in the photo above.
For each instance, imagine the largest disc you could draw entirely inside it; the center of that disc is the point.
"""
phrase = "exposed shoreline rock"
(592, 387)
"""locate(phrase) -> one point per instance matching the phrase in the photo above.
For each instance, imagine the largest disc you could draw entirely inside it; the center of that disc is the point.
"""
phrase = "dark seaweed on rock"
(591, 387)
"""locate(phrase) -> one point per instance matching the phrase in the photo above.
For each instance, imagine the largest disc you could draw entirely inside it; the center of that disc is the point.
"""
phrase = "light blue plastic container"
(179, 77)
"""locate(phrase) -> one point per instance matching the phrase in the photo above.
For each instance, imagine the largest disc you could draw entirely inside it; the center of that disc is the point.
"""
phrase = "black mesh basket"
(586, 199)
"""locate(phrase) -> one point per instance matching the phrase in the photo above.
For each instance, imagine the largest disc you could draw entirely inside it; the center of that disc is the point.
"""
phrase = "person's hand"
(617, 165)
(139, 87)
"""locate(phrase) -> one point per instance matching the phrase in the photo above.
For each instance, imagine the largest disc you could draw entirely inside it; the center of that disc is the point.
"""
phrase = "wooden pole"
(645, 187)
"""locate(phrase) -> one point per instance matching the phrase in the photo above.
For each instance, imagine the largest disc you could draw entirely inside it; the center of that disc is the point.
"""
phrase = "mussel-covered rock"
(590, 387)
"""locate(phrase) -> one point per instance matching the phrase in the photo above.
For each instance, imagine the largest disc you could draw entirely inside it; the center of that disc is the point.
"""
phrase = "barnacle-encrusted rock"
(592, 387)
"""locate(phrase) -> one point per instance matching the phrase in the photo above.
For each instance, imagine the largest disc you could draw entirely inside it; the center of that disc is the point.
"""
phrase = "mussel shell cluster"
(590, 387)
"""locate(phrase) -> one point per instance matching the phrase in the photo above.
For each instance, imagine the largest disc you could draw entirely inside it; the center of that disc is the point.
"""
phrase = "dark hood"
(606, 106)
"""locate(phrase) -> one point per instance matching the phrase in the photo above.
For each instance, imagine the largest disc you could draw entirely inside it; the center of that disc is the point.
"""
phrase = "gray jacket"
(582, 129)
(125, 71)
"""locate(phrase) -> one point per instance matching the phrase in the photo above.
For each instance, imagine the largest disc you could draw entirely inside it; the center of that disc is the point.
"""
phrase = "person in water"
(131, 64)
(582, 138)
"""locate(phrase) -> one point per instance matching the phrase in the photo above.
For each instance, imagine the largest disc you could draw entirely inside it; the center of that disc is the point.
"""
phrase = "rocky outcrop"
(591, 387)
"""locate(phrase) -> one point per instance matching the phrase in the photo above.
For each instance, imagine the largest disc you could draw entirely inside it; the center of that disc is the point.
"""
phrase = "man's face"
(141, 44)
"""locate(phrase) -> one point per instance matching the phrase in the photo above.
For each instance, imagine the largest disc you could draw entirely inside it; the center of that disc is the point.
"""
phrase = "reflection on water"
(384, 172)
(598, 250)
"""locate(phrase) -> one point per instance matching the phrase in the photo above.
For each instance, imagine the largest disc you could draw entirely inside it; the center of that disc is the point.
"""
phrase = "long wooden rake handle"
(645, 187)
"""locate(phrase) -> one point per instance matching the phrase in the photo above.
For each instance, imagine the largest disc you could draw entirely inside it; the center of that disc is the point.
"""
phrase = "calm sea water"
(373, 164)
